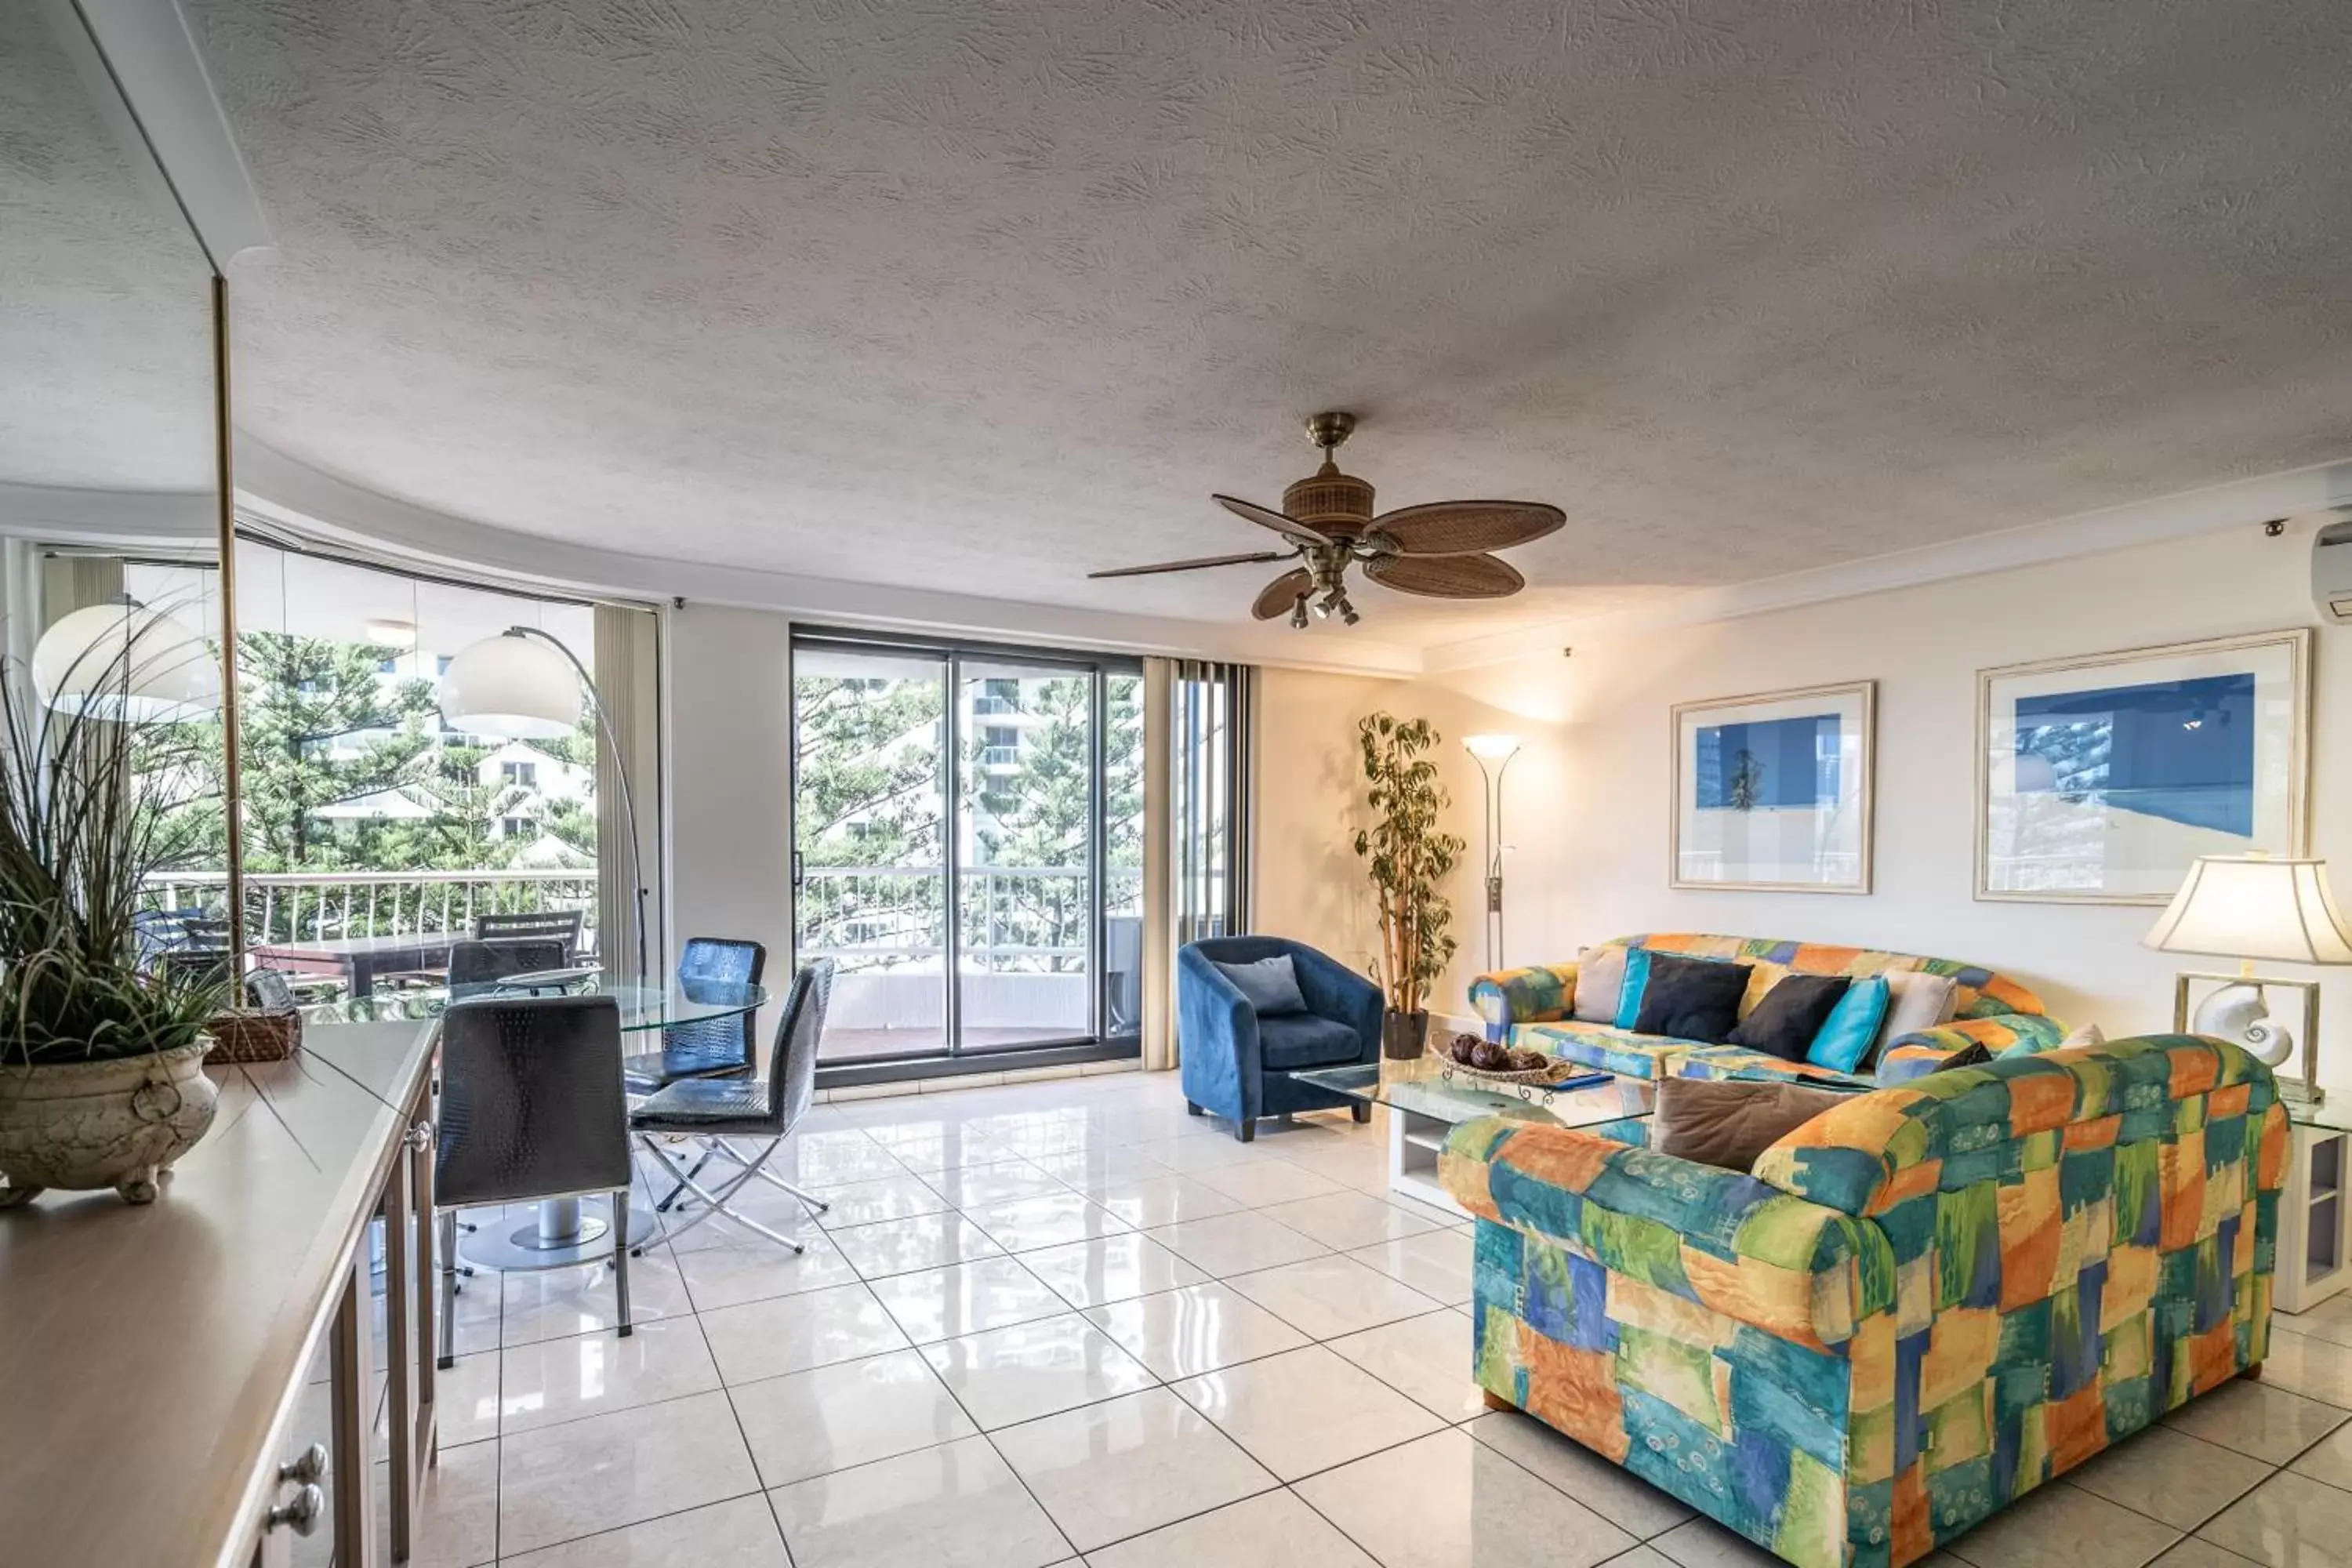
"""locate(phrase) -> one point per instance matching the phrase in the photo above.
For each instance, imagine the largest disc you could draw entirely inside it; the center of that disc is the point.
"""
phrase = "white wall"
(728, 718)
(1588, 802)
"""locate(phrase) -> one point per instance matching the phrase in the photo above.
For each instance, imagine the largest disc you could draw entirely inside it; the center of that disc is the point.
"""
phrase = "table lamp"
(2250, 907)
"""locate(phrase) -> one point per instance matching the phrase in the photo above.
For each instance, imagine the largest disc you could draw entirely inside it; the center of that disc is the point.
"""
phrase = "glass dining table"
(562, 1230)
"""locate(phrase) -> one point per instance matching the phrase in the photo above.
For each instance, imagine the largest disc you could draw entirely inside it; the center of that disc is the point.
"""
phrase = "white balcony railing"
(316, 906)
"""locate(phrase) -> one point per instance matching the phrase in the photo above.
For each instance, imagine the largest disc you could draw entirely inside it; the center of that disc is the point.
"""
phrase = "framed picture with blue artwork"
(1772, 792)
(2100, 778)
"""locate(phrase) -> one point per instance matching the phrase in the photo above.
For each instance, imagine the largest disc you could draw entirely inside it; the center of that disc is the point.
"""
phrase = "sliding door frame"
(953, 1057)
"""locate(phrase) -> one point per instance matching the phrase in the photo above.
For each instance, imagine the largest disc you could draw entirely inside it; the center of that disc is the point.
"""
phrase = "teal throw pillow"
(1845, 1040)
(1637, 980)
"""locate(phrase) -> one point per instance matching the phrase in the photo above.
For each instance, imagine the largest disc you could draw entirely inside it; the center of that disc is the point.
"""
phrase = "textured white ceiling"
(984, 295)
(106, 377)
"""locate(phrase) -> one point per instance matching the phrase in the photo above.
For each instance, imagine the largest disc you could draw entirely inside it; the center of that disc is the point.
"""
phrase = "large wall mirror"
(110, 510)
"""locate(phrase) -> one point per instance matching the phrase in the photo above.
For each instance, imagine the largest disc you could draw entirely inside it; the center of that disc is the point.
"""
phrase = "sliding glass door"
(968, 824)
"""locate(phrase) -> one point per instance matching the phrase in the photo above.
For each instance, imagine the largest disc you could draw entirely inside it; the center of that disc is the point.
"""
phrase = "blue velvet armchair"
(1237, 1065)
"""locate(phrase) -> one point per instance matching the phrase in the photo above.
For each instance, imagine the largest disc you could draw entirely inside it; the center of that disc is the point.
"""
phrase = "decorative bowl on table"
(1495, 1063)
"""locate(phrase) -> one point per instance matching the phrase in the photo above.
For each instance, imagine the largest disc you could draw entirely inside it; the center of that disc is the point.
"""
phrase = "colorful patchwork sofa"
(1923, 1304)
(1531, 1006)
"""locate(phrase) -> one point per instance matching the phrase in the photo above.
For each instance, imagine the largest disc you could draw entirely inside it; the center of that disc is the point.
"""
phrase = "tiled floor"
(1064, 1317)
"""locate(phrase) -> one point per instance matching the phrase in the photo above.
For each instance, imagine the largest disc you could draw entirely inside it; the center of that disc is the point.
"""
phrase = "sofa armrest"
(1760, 1256)
(1540, 994)
(1921, 1052)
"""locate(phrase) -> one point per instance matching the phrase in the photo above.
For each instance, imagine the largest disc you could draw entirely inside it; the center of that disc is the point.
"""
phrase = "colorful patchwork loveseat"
(1531, 1007)
(1925, 1301)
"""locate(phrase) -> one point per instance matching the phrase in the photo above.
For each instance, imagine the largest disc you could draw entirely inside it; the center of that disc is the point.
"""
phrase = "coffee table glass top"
(1423, 1088)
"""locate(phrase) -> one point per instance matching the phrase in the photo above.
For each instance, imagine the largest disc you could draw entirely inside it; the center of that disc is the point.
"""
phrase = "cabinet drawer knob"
(309, 1464)
(302, 1515)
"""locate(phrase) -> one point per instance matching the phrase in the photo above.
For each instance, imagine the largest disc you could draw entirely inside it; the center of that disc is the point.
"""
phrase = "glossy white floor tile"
(1305, 1410)
(552, 1303)
(1046, 1219)
(903, 1245)
(1436, 1263)
(883, 1198)
(1273, 1530)
(605, 1472)
(741, 1533)
(1235, 1243)
(2289, 1521)
(794, 1333)
(1616, 1494)
(1332, 1295)
(1448, 1502)
(2259, 1419)
(1115, 1268)
(1147, 1201)
(966, 1299)
(1350, 1219)
(1422, 1358)
(1018, 1373)
(2171, 1477)
(736, 1266)
(955, 1506)
(457, 1513)
(562, 1380)
(2060, 1526)
(1001, 1182)
(1200, 1328)
(852, 1413)
(1128, 1465)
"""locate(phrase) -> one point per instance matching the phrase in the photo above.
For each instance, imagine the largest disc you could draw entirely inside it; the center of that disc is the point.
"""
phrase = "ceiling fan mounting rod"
(1328, 430)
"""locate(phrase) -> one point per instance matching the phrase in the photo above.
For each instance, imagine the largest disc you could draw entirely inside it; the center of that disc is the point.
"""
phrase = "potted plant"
(101, 1058)
(1407, 858)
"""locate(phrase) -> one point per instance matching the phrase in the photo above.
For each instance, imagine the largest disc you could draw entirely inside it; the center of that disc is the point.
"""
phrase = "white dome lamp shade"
(512, 685)
(125, 662)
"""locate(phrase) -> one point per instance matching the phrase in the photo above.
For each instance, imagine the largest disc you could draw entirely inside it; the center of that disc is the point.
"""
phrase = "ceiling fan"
(1440, 549)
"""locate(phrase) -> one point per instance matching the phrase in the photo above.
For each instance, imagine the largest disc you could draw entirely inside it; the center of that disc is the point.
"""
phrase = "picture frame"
(2099, 777)
(1773, 792)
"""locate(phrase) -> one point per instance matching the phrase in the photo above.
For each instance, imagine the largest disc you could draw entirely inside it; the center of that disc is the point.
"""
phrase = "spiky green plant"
(77, 834)
(1407, 856)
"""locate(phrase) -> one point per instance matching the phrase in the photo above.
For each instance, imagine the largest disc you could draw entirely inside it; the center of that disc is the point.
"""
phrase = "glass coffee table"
(1426, 1102)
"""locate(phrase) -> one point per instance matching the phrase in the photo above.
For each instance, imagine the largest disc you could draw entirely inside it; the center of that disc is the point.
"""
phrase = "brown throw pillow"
(1728, 1123)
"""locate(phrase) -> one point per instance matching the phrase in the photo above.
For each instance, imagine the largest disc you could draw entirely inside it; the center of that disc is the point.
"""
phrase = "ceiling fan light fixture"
(1348, 617)
(1299, 611)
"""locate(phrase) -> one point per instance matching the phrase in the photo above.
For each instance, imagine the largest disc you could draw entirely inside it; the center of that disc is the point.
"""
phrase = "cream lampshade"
(126, 662)
(2250, 907)
(514, 685)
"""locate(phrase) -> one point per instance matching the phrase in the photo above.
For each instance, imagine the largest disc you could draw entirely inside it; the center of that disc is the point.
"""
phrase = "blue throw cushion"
(1270, 984)
(1852, 1026)
(1637, 980)
(1292, 1040)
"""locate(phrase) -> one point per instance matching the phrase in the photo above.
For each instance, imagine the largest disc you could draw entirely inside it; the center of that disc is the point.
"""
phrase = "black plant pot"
(1403, 1036)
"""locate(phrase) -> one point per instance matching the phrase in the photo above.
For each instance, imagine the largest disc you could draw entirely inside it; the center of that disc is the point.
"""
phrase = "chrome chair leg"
(716, 1203)
(671, 1197)
(447, 1329)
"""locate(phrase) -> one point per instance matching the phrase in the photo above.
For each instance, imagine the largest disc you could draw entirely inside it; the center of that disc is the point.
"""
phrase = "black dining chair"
(481, 963)
(712, 968)
(563, 925)
(715, 1110)
(530, 1108)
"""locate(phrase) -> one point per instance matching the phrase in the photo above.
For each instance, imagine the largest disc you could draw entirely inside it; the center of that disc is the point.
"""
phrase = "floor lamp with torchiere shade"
(1493, 752)
(2250, 907)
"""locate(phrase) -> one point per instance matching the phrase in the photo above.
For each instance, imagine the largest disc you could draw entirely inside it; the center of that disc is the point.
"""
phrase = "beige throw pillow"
(2088, 1035)
(1728, 1123)
(1915, 1000)
(1600, 979)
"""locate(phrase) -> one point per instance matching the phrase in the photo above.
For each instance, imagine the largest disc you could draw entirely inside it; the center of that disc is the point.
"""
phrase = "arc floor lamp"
(524, 684)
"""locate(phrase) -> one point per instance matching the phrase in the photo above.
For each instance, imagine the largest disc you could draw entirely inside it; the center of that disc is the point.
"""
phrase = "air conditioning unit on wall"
(2331, 566)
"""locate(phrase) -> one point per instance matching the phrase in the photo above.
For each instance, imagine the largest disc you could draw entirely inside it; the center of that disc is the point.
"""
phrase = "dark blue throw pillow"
(1270, 984)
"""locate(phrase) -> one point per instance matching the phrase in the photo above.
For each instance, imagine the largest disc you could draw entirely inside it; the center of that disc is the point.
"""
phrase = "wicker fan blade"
(1278, 595)
(1251, 559)
(1289, 528)
(1463, 527)
(1446, 576)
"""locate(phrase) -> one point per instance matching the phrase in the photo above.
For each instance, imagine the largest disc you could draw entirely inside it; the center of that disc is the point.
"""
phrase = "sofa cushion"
(1845, 1040)
(1605, 1049)
(1270, 984)
(1916, 1000)
(1691, 999)
(1290, 1040)
(1600, 981)
(1727, 1124)
(1783, 1024)
(1738, 1061)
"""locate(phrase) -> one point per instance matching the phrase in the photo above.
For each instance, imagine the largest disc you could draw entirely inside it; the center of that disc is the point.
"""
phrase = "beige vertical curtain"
(1199, 729)
(1159, 959)
(627, 654)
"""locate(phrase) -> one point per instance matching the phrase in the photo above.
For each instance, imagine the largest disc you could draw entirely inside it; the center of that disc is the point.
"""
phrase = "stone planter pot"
(79, 1126)
(1403, 1036)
